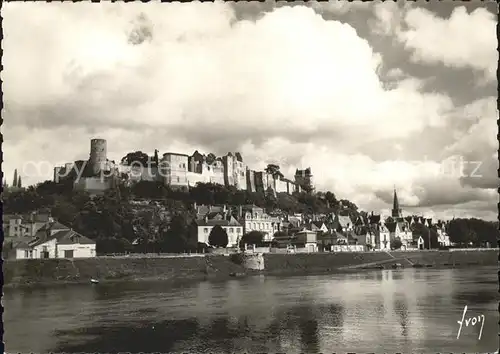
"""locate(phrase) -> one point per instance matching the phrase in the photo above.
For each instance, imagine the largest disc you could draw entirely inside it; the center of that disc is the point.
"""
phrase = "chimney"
(206, 218)
(224, 208)
(195, 206)
(240, 212)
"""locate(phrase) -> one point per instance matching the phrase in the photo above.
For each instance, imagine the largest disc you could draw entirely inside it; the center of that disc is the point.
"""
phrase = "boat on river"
(94, 281)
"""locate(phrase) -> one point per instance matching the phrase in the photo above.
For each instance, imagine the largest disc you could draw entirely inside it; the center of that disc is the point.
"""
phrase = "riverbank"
(48, 272)
(285, 264)
(44, 272)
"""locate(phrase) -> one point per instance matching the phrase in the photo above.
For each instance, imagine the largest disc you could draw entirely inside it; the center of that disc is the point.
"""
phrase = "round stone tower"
(98, 153)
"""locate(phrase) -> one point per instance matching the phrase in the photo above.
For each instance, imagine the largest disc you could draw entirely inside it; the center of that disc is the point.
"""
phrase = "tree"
(274, 170)
(396, 244)
(175, 238)
(331, 199)
(458, 231)
(135, 158)
(218, 237)
(251, 238)
(192, 237)
(14, 181)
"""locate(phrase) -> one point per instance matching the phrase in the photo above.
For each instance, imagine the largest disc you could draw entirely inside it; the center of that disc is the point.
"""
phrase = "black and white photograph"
(250, 177)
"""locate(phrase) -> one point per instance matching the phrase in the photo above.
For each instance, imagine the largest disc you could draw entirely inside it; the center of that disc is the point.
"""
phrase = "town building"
(232, 227)
(234, 171)
(55, 240)
(254, 218)
(443, 238)
(342, 222)
(306, 239)
(304, 178)
(174, 169)
(317, 226)
(27, 225)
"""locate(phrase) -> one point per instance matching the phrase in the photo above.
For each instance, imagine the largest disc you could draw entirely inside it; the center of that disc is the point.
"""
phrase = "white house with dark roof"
(254, 218)
(233, 228)
(317, 226)
(443, 238)
(57, 243)
(384, 238)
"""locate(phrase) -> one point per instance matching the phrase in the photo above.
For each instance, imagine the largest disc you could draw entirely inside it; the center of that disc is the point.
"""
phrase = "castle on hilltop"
(179, 171)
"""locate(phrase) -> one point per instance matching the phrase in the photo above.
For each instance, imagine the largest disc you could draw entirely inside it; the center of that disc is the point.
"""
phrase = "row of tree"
(16, 182)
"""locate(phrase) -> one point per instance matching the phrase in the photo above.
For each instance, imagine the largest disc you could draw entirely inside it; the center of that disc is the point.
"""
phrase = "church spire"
(396, 211)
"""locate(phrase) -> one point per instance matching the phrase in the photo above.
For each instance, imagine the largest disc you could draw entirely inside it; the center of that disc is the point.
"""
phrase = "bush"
(396, 244)
(251, 238)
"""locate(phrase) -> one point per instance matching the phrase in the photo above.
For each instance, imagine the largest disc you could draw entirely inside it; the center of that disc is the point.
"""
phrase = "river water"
(410, 311)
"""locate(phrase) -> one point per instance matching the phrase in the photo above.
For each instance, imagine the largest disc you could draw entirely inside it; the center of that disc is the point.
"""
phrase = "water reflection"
(401, 310)
(386, 311)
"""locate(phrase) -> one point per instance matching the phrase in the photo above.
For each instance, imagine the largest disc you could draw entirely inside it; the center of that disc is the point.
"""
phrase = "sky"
(371, 95)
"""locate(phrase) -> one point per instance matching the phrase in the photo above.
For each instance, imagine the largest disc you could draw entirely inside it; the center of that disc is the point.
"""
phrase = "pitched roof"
(64, 237)
(8, 217)
(22, 243)
(72, 237)
(402, 225)
(230, 221)
(205, 209)
(360, 221)
(391, 226)
(415, 237)
(344, 221)
(318, 224)
(55, 225)
(374, 219)
(363, 229)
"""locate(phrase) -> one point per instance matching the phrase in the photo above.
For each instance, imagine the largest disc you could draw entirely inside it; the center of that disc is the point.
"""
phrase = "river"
(409, 310)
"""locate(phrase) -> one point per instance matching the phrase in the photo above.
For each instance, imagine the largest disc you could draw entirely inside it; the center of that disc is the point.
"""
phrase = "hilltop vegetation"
(115, 224)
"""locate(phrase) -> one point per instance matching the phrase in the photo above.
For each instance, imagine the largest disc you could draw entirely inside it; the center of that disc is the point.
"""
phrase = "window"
(205, 230)
(68, 254)
(26, 254)
(31, 253)
(253, 226)
(238, 230)
(231, 230)
(178, 179)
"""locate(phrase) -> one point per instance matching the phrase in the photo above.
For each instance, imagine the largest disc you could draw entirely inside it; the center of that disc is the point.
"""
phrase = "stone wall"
(297, 263)
(53, 271)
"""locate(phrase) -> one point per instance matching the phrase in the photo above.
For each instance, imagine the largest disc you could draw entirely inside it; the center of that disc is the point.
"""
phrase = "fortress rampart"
(181, 170)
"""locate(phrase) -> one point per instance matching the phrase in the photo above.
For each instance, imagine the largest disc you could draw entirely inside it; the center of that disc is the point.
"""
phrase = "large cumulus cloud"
(287, 87)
